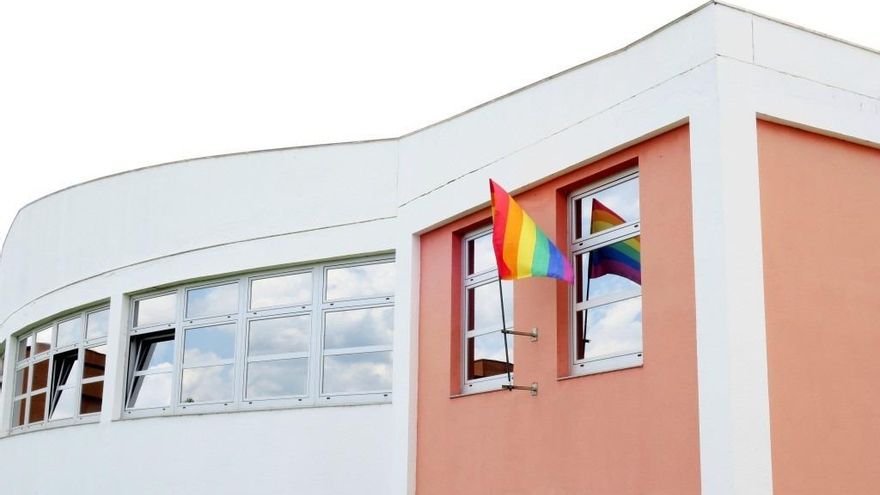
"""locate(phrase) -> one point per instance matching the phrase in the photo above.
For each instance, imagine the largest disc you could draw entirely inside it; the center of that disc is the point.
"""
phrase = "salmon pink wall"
(633, 431)
(820, 200)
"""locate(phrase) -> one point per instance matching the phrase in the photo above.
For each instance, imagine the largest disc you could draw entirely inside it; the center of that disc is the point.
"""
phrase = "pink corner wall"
(820, 203)
(633, 431)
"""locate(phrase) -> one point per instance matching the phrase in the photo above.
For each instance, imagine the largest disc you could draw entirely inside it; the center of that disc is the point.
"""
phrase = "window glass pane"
(155, 310)
(355, 282)
(279, 335)
(284, 290)
(480, 254)
(207, 345)
(18, 412)
(156, 354)
(484, 309)
(25, 346)
(612, 329)
(151, 391)
(41, 375)
(351, 373)
(281, 378)
(64, 404)
(95, 361)
(98, 324)
(486, 355)
(210, 301)
(21, 381)
(607, 209)
(611, 269)
(92, 397)
(38, 408)
(44, 340)
(69, 332)
(66, 369)
(358, 327)
(208, 384)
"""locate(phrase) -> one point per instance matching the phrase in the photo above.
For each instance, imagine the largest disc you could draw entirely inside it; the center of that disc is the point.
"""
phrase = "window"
(2, 365)
(305, 336)
(59, 371)
(485, 364)
(607, 293)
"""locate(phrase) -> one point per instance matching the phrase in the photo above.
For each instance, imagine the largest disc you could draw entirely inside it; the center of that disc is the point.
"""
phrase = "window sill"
(480, 392)
(259, 405)
(610, 365)
(65, 423)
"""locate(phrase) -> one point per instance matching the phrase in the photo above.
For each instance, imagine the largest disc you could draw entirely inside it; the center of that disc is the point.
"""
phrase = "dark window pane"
(208, 384)
(484, 308)
(485, 355)
(209, 301)
(18, 412)
(95, 361)
(92, 397)
(607, 209)
(279, 335)
(613, 329)
(151, 391)
(284, 290)
(207, 345)
(358, 327)
(281, 378)
(156, 353)
(98, 324)
(352, 373)
(38, 408)
(69, 332)
(21, 381)
(355, 282)
(41, 375)
(25, 347)
(155, 310)
(66, 368)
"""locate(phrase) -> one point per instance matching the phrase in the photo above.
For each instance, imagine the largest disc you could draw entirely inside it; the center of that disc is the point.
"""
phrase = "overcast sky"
(92, 88)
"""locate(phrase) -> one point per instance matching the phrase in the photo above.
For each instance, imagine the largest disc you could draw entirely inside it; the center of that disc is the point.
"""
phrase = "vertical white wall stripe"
(731, 338)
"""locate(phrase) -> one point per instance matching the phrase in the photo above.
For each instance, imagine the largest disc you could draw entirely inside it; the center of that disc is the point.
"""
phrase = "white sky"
(89, 88)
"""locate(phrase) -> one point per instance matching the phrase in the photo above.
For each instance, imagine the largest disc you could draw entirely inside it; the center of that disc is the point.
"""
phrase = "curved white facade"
(161, 226)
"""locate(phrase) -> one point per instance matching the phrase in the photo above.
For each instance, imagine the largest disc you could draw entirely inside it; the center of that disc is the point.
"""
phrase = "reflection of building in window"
(51, 385)
(308, 333)
(606, 250)
(485, 365)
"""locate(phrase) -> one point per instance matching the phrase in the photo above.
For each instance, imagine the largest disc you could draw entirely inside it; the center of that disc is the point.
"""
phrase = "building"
(315, 320)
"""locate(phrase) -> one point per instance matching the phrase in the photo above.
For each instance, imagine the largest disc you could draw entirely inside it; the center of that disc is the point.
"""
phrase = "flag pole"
(504, 334)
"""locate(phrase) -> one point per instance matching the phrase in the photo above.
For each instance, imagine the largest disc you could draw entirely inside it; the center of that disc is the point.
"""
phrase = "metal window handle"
(533, 335)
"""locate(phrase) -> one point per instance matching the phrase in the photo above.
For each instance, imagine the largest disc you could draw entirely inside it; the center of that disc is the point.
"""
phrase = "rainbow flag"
(521, 249)
(621, 258)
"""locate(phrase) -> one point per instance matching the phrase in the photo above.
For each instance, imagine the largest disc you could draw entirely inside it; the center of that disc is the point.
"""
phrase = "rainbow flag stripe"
(521, 248)
(621, 258)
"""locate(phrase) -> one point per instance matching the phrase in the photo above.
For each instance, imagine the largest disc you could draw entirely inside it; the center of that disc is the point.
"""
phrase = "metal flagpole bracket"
(533, 335)
(533, 388)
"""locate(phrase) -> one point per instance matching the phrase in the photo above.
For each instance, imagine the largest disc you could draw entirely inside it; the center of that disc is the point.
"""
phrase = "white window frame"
(316, 308)
(50, 355)
(587, 243)
(472, 281)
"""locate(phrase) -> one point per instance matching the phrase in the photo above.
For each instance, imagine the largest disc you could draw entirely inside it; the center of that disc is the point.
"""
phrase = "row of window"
(320, 334)
(605, 251)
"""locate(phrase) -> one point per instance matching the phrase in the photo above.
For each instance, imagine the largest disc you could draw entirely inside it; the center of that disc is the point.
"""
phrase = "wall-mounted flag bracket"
(533, 388)
(533, 335)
